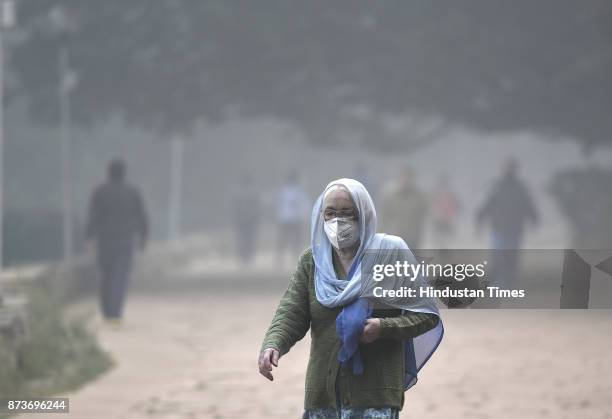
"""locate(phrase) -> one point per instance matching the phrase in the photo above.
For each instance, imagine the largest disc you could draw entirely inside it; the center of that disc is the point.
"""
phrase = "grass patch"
(56, 354)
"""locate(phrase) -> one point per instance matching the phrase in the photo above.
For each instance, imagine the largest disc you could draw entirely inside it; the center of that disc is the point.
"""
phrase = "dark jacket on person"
(382, 383)
(508, 207)
(116, 215)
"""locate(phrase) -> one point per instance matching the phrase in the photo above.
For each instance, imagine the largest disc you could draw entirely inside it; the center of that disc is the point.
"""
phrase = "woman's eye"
(340, 214)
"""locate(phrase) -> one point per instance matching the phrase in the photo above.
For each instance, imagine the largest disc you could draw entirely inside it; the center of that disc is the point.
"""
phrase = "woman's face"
(338, 203)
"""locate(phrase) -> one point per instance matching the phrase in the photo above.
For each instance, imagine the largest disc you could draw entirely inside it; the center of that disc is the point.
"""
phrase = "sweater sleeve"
(407, 325)
(292, 318)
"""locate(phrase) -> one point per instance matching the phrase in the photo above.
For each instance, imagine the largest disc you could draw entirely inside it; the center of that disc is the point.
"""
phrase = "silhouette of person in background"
(508, 208)
(117, 223)
(445, 207)
(404, 209)
(363, 174)
(292, 210)
(247, 213)
(584, 196)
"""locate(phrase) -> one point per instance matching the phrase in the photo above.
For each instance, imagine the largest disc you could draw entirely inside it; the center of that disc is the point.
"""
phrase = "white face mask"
(341, 232)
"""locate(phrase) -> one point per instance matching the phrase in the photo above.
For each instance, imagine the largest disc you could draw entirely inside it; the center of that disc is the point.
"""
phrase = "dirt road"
(193, 355)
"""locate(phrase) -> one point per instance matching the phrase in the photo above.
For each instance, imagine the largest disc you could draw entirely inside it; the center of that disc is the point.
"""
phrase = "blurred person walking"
(363, 174)
(117, 224)
(293, 203)
(404, 209)
(508, 209)
(362, 357)
(247, 214)
(445, 207)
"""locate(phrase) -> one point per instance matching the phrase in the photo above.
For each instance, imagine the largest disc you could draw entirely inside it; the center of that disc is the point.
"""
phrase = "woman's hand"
(267, 359)
(371, 331)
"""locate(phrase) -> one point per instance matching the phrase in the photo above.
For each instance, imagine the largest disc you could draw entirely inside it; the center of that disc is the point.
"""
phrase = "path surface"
(190, 352)
(193, 356)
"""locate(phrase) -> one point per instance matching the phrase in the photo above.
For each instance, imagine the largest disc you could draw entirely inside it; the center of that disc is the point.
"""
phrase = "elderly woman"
(361, 359)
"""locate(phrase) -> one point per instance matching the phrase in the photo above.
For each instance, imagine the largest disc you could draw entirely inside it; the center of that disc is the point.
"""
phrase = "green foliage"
(164, 65)
(56, 355)
(11, 381)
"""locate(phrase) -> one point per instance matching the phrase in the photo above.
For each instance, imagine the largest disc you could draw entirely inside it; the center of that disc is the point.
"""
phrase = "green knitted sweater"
(382, 381)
